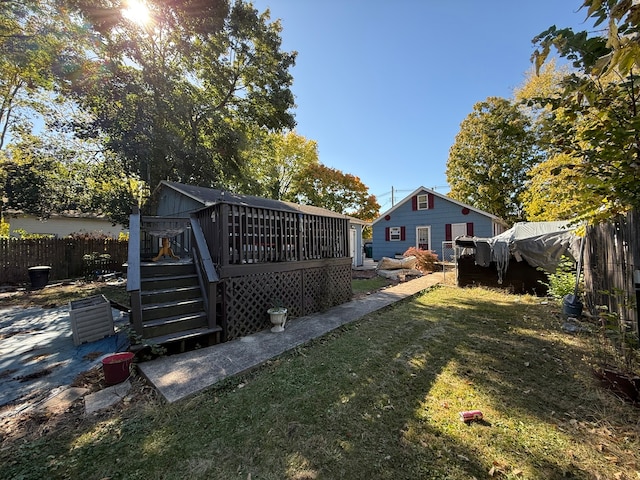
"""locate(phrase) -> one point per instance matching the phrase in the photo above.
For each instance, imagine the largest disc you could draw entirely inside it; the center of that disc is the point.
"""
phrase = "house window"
(395, 234)
(423, 202)
(458, 230)
(454, 230)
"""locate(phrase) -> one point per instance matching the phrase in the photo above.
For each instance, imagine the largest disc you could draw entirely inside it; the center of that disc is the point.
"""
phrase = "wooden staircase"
(172, 304)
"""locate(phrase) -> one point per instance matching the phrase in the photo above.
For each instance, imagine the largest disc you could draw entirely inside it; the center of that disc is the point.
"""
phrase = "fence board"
(65, 256)
(610, 258)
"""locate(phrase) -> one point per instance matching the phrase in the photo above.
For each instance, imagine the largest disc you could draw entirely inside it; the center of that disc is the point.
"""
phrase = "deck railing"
(177, 230)
(239, 235)
(207, 275)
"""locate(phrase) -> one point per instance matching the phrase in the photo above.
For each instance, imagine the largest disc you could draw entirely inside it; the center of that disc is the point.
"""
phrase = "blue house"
(426, 220)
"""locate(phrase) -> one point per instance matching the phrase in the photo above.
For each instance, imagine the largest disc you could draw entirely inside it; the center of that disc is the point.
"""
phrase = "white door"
(352, 246)
(423, 238)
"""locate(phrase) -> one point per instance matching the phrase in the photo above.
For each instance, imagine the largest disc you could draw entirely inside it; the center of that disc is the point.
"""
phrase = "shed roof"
(210, 196)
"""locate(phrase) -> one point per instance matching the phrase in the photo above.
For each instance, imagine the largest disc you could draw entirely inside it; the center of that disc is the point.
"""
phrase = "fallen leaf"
(526, 364)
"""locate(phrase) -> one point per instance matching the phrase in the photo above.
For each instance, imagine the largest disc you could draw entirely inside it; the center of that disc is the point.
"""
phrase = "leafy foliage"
(274, 161)
(488, 162)
(176, 98)
(44, 176)
(563, 281)
(35, 39)
(596, 122)
(334, 190)
(555, 191)
(4, 228)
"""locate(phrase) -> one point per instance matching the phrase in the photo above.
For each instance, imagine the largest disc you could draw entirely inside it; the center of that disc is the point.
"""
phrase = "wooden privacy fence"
(67, 257)
(611, 258)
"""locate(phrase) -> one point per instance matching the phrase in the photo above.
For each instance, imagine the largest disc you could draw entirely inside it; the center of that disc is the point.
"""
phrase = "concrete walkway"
(179, 376)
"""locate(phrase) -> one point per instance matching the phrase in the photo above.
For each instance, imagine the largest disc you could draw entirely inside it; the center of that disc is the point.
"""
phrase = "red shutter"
(386, 234)
(447, 232)
(414, 202)
(430, 197)
(403, 234)
(470, 229)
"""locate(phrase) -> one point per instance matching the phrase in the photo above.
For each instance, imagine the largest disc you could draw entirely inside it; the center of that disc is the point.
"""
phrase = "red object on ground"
(470, 415)
(116, 367)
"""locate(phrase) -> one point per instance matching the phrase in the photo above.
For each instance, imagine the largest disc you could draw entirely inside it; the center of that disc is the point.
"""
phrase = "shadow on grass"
(376, 399)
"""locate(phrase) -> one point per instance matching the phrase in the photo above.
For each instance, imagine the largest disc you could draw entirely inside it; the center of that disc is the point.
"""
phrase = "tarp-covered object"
(541, 244)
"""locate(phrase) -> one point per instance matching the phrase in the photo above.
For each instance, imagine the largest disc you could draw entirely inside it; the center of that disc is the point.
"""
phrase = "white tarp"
(541, 244)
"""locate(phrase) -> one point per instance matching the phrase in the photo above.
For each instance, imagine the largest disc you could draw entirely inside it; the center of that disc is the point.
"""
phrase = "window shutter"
(386, 234)
(430, 197)
(447, 232)
(403, 234)
(414, 202)
(470, 229)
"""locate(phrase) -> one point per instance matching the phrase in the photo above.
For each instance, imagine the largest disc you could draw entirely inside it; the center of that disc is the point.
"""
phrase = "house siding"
(407, 218)
(63, 226)
(175, 204)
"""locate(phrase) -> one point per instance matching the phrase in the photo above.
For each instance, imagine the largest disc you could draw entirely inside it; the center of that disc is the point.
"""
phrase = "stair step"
(175, 294)
(174, 324)
(161, 269)
(183, 335)
(170, 309)
(156, 322)
(167, 281)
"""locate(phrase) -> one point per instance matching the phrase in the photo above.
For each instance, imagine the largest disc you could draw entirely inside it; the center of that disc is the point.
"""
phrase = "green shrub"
(563, 281)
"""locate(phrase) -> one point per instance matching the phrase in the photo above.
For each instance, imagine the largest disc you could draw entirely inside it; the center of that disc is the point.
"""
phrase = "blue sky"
(383, 86)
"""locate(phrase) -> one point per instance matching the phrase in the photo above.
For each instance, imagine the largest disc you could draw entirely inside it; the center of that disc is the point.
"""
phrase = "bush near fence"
(65, 256)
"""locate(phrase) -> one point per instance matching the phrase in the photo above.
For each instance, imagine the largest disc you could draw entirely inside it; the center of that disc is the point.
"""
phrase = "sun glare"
(136, 11)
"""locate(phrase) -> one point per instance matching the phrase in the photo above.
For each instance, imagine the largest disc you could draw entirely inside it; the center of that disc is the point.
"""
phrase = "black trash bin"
(368, 250)
(39, 276)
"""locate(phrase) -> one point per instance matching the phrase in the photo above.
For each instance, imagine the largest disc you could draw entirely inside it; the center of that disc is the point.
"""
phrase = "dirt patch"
(60, 294)
(40, 373)
(37, 422)
(363, 274)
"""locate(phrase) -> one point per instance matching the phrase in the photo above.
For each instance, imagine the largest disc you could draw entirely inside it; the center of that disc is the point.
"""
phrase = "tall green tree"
(597, 125)
(554, 190)
(35, 182)
(36, 42)
(274, 160)
(488, 163)
(334, 190)
(175, 97)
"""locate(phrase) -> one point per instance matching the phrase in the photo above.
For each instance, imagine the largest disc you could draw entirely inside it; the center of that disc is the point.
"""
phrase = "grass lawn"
(378, 399)
(365, 285)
